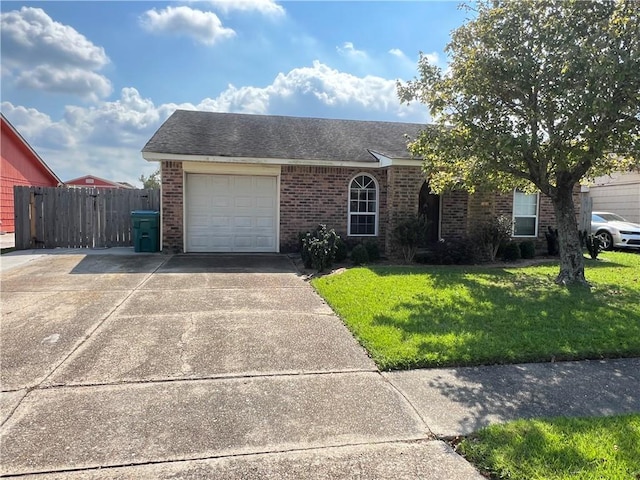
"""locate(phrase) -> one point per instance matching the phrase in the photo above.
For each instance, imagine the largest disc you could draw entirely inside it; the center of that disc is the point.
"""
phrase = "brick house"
(251, 183)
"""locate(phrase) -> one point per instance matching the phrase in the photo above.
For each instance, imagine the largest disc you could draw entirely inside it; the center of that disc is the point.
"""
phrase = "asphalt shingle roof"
(264, 136)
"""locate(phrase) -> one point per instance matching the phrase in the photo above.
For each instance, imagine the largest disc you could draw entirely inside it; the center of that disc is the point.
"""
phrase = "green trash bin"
(145, 230)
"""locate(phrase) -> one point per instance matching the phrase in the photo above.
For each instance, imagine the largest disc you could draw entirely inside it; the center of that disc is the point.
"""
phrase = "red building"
(21, 165)
(91, 181)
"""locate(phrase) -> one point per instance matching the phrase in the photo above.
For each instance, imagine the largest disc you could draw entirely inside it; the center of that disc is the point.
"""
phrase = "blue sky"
(87, 83)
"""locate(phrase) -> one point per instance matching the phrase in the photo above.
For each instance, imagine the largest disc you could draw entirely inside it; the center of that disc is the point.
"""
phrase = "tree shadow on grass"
(499, 317)
(545, 447)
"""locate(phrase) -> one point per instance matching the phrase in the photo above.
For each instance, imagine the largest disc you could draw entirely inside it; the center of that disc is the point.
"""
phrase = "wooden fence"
(50, 217)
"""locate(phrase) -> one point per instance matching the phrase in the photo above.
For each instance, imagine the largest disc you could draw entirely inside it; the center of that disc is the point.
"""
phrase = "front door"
(429, 210)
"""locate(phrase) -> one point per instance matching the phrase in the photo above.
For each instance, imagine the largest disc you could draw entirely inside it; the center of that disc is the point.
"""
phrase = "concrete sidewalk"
(207, 366)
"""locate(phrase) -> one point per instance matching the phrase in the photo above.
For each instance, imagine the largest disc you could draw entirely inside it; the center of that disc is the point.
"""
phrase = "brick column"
(172, 207)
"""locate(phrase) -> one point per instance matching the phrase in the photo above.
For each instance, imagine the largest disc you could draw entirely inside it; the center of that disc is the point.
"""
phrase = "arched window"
(363, 206)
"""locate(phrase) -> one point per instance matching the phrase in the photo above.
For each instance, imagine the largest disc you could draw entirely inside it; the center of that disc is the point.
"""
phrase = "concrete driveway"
(152, 366)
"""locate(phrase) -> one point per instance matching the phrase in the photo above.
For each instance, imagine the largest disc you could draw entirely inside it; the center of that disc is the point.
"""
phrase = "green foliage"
(558, 448)
(373, 250)
(494, 233)
(342, 251)
(454, 251)
(319, 248)
(408, 235)
(552, 241)
(538, 95)
(511, 252)
(591, 243)
(413, 317)
(528, 249)
(152, 181)
(360, 255)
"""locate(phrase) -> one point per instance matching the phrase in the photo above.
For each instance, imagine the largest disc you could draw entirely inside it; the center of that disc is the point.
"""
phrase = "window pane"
(363, 225)
(524, 226)
(525, 204)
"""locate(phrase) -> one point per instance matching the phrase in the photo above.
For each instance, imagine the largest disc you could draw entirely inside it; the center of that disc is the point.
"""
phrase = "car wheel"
(606, 240)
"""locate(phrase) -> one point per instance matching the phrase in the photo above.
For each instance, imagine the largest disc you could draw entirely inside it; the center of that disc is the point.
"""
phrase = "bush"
(553, 247)
(359, 255)
(342, 251)
(408, 235)
(373, 250)
(528, 249)
(511, 252)
(304, 253)
(493, 234)
(455, 251)
(319, 248)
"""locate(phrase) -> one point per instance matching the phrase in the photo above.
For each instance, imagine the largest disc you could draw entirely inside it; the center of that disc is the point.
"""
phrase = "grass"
(558, 449)
(411, 317)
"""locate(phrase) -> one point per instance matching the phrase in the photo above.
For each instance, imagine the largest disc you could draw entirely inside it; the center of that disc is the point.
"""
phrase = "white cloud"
(265, 7)
(105, 139)
(204, 27)
(318, 88)
(348, 50)
(396, 52)
(72, 81)
(43, 54)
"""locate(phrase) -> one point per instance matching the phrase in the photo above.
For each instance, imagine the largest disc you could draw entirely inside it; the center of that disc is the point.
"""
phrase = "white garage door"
(231, 213)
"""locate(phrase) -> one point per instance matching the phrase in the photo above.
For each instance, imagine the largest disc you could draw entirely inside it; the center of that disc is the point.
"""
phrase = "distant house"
(618, 193)
(21, 165)
(251, 183)
(91, 181)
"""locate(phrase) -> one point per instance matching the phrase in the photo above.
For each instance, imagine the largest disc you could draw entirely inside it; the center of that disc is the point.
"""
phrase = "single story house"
(22, 166)
(91, 181)
(251, 183)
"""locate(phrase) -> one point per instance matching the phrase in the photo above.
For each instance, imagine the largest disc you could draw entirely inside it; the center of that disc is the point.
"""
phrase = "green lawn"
(428, 316)
(558, 449)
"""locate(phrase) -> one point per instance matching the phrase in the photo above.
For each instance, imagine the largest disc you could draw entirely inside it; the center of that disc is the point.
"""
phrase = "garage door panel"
(231, 213)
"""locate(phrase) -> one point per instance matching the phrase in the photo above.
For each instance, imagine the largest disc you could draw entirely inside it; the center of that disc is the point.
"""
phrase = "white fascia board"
(385, 161)
(156, 157)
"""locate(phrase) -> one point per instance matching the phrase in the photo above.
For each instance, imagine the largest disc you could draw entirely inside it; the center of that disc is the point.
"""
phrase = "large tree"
(539, 94)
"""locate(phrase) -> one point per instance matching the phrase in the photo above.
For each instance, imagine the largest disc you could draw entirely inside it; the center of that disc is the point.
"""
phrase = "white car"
(614, 231)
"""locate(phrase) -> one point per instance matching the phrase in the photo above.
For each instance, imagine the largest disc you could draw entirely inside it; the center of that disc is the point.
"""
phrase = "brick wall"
(172, 207)
(454, 214)
(313, 195)
(403, 195)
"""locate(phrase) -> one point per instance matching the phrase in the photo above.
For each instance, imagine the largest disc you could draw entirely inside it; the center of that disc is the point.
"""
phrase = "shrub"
(359, 255)
(408, 236)
(455, 251)
(319, 247)
(373, 250)
(304, 253)
(528, 249)
(553, 247)
(494, 233)
(511, 252)
(342, 251)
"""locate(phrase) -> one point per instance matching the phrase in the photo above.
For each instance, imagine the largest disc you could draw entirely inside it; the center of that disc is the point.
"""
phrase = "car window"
(597, 218)
(611, 217)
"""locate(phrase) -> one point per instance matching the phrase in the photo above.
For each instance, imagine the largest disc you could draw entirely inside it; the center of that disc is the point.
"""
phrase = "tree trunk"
(571, 256)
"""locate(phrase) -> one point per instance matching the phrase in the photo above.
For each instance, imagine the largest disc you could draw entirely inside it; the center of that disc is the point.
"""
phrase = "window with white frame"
(363, 206)
(525, 214)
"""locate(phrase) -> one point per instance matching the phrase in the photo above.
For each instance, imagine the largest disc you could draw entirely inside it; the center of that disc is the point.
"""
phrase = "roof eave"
(159, 157)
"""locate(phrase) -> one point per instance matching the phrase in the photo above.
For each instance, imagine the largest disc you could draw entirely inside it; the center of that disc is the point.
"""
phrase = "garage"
(231, 213)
